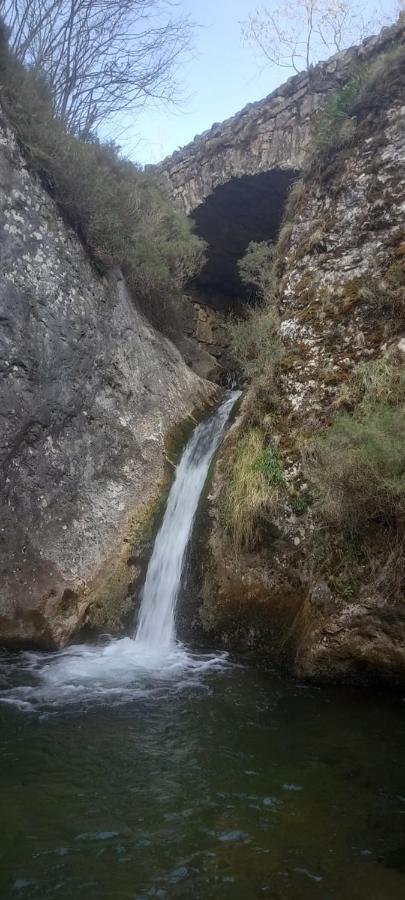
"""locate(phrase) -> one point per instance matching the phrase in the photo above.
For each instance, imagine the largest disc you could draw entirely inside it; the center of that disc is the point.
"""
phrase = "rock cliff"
(334, 613)
(89, 392)
(234, 179)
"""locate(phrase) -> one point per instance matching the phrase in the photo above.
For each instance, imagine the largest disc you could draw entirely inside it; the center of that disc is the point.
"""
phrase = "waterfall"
(152, 662)
(156, 625)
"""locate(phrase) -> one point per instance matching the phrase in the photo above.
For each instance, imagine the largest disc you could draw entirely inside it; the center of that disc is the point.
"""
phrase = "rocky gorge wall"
(200, 333)
(235, 178)
(89, 394)
(342, 303)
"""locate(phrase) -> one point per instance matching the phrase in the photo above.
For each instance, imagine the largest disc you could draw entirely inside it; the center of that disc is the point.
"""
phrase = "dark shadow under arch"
(244, 209)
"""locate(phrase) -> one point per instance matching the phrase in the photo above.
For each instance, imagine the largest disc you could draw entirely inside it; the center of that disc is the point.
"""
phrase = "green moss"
(110, 598)
(176, 439)
(329, 377)
(300, 503)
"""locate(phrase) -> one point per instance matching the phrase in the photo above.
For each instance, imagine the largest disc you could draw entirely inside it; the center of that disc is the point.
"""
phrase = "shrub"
(252, 488)
(254, 341)
(120, 212)
(357, 469)
(256, 268)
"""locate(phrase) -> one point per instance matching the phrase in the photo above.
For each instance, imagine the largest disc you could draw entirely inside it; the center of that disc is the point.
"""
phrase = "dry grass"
(253, 487)
(381, 381)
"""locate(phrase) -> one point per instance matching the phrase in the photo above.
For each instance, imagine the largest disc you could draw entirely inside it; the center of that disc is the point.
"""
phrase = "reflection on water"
(197, 779)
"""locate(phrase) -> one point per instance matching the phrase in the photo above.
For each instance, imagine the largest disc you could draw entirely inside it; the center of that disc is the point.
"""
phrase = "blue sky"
(218, 80)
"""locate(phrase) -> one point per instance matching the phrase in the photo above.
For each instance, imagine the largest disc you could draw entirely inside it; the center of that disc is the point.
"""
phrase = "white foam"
(116, 671)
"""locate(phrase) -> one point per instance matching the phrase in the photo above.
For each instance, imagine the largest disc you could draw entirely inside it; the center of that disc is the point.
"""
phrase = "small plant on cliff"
(254, 338)
(256, 269)
(380, 381)
(252, 490)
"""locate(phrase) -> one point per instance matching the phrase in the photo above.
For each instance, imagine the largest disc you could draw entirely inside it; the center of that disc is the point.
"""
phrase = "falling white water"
(156, 626)
(153, 664)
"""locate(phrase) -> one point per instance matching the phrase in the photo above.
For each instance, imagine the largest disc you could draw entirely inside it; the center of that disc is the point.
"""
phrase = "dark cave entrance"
(244, 209)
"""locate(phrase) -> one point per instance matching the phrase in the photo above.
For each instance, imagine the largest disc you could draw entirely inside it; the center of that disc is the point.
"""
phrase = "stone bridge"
(234, 178)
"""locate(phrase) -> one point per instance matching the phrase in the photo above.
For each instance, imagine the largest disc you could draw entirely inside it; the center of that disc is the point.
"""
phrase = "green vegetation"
(354, 469)
(358, 469)
(337, 123)
(268, 463)
(121, 213)
(381, 381)
(254, 339)
(252, 490)
(357, 466)
(256, 268)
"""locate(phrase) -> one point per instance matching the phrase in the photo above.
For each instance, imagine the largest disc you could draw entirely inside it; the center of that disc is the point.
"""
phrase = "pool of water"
(204, 778)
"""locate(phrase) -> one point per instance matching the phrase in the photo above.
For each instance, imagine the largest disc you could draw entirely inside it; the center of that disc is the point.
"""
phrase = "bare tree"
(298, 33)
(100, 57)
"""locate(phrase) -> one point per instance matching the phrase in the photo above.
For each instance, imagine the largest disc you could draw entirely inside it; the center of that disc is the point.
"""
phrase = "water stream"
(156, 628)
(139, 768)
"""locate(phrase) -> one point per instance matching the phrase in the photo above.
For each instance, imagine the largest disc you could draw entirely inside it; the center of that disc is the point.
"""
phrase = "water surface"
(203, 778)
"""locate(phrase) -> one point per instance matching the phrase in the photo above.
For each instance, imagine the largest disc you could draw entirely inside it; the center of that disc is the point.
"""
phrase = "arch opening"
(242, 210)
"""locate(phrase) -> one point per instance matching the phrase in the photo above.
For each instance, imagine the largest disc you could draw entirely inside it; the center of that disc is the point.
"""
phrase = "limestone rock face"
(89, 390)
(344, 248)
(273, 133)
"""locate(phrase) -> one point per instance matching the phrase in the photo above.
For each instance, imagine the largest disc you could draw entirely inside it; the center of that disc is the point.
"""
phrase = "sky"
(220, 78)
